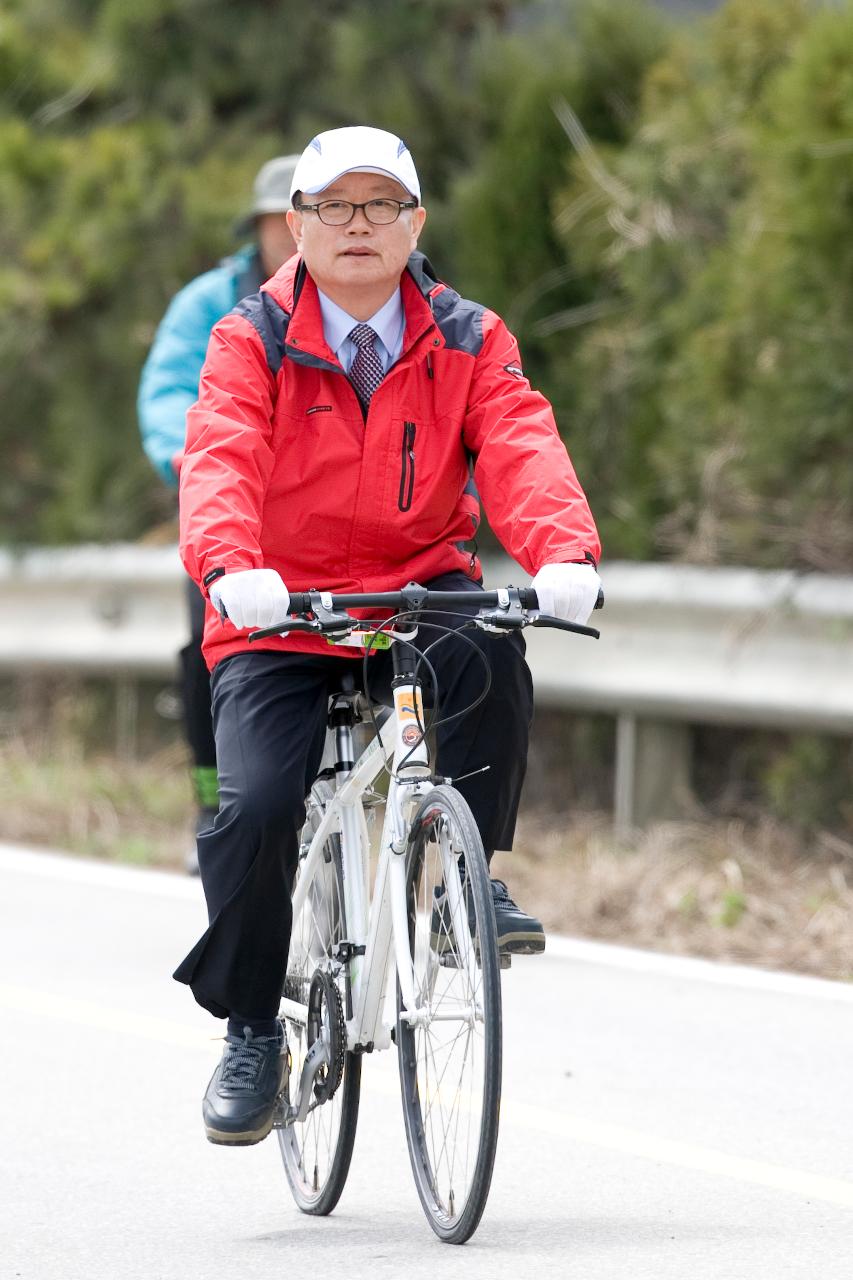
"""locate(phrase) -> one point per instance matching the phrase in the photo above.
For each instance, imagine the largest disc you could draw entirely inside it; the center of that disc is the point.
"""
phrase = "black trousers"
(195, 686)
(269, 713)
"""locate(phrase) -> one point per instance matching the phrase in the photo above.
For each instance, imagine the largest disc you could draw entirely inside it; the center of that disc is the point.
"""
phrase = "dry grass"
(137, 812)
(749, 893)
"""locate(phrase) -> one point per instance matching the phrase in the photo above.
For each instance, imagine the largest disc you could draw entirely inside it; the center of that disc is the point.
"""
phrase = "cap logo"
(401, 147)
(317, 145)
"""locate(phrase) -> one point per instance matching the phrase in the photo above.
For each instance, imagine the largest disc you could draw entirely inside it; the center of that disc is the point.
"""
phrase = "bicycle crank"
(326, 1037)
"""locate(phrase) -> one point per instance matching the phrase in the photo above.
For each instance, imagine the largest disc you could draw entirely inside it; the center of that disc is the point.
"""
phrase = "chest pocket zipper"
(407, 468)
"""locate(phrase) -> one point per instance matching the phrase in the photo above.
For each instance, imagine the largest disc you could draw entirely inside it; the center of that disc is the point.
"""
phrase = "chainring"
(326, 1011)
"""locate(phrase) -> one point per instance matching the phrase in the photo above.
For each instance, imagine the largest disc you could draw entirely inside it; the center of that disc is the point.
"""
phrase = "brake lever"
(282, 628)
(279, 629)
(558, 624)
(326, 622)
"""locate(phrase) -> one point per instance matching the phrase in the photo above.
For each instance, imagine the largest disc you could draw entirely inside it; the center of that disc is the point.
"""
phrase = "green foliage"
(800, 779)
(86, 221)
(807, 784)
(732, 908)
(129, 137)
(507, 241)
(714, 380)
(663, 214)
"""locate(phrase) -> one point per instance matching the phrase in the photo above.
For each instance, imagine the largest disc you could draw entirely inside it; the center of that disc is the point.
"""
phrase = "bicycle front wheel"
(449, 1046)
(317, 1152)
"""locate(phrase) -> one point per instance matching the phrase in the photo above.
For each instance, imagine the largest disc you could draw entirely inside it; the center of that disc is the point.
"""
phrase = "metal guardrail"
(99, 609)
(679, 645)
(682, 645)
(734, 646)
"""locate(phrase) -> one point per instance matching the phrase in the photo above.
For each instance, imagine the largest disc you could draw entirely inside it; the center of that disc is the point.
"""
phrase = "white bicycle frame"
(383, 925)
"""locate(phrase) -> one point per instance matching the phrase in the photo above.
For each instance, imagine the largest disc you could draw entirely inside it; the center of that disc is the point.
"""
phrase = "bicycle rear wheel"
(450, 1057)
(317, 1152)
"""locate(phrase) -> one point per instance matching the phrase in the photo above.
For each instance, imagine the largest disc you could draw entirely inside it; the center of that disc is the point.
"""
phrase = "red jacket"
(281, 470)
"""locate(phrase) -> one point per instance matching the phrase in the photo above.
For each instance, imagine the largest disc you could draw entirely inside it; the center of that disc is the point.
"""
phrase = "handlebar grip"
(529, 600)
(300, 602)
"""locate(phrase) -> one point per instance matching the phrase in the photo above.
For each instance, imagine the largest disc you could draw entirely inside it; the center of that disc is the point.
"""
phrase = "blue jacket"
(170, 377)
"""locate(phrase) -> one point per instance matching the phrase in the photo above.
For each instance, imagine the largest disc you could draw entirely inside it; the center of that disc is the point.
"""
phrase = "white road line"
(692, 969)
(86, 1013)
(684, 1155)
(545, 1120)
(68, 868)
(72, 870)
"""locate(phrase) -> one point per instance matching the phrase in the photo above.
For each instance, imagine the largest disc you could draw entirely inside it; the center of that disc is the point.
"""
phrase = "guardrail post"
(127, 718)
(652, 772)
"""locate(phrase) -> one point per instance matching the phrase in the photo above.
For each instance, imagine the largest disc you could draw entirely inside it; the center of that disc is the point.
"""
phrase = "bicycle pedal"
(449, 960)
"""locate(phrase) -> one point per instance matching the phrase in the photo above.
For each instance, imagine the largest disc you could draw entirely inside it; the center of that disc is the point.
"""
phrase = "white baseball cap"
(356, 149)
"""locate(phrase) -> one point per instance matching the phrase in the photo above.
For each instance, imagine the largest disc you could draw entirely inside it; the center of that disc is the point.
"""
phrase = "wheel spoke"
(453, 1063)
(316, 1152)
(455, 1111)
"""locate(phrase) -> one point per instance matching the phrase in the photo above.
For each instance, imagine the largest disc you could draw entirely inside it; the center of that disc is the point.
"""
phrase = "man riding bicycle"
(345, 414)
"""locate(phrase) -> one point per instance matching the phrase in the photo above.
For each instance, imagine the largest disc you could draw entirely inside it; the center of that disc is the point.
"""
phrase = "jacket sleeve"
(228, 456)
(170, 377)
(524, 475)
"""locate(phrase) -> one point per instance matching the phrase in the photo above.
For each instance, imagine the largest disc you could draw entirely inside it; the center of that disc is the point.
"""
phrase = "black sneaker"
(240, 1100)
(518, 933)
(441, 935)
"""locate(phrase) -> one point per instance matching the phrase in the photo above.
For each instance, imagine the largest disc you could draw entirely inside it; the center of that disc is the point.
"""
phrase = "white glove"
(567, 591)
(251, 597)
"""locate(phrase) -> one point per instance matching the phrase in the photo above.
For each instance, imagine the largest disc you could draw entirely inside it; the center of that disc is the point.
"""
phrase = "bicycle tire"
(453, 1196)
(317, 1170)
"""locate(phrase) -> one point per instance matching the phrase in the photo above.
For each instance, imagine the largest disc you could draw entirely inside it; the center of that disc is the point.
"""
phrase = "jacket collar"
(295, 291)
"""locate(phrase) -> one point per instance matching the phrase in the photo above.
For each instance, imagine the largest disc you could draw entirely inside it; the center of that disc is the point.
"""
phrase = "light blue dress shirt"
(388, 323)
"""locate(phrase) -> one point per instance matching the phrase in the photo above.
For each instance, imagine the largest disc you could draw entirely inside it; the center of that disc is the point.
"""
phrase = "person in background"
(169, 385)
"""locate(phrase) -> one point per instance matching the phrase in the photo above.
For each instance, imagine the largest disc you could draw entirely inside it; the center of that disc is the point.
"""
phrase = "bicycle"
(431, 912)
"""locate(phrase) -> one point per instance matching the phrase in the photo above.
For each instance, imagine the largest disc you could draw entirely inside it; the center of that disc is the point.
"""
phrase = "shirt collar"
(387, 323)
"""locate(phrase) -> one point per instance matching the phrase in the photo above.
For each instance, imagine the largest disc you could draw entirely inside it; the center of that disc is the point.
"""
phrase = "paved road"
(661, 1120)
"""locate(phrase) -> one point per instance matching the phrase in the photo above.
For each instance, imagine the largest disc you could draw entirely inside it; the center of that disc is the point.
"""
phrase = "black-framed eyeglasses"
(337, 213)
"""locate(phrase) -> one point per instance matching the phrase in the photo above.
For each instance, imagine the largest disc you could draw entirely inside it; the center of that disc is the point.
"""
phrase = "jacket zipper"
(407, 469)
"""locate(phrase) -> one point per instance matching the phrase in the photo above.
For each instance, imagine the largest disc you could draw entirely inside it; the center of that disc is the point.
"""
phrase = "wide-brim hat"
(270, 191)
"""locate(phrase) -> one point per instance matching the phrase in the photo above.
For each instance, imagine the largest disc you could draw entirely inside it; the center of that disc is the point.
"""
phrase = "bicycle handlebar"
(328, 610)
(300, 601)
(397, 601)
